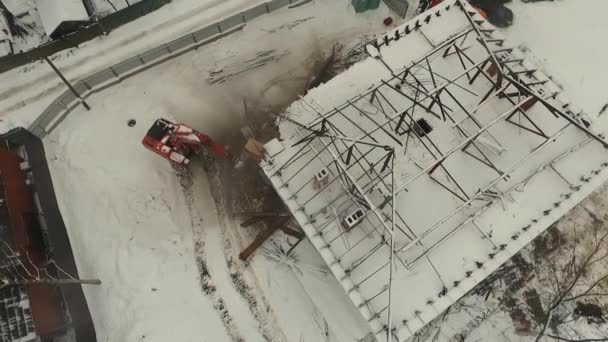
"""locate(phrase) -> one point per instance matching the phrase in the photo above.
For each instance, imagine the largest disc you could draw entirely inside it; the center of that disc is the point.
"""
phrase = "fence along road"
(57, 111)
(96, 28)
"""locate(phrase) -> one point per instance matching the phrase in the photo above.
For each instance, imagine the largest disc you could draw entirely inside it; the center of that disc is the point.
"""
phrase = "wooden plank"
(261, 238)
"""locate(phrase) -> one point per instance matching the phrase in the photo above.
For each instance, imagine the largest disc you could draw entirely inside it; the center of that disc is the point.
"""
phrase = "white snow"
(19, 7)
(40, 85)
(114, 195)
(55, 12)
(131, 225)
(566, 38)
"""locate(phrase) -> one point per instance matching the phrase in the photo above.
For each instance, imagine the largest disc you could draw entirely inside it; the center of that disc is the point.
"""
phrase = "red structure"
(178, 142)
(21, 217)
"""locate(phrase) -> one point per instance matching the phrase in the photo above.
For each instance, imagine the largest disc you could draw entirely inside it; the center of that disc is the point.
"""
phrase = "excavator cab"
(159, 139)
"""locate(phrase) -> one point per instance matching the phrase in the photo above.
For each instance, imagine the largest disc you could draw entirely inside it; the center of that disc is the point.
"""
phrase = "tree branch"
(17, 273)
(588, 290)
(542, 331)
(581, 270)
(61, 269)
(568, 286)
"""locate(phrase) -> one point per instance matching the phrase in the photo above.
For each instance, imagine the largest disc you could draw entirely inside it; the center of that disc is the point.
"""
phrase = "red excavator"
(179, 143)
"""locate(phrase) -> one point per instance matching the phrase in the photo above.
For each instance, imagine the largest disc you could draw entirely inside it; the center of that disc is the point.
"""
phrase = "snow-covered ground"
(129, 226)
(132, 226)
(27, 13)
(566, 36)
(38, 85)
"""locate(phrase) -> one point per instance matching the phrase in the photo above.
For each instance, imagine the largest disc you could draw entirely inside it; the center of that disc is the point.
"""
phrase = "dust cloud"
(248, 99)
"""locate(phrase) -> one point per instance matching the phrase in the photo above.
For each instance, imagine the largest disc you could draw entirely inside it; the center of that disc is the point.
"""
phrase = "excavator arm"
(217, 149)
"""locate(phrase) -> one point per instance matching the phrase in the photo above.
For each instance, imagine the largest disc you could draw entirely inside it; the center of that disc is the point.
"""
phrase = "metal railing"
(66, 102)
(96, 27)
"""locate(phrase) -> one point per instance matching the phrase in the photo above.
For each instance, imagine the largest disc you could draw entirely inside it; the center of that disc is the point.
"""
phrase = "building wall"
(44, 301)
(58, 239)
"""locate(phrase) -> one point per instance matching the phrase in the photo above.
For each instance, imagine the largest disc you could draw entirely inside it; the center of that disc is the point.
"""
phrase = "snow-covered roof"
(417, 173)
(54, 12)
(19, 7)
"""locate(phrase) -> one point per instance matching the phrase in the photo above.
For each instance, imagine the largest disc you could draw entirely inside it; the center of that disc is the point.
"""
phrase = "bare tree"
(556, 289)
(573, 284)
(13, 23)
(18, 269)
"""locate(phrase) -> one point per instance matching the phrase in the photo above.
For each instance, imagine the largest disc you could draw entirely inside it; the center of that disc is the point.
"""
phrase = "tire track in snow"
(221, 193)
(206, 282)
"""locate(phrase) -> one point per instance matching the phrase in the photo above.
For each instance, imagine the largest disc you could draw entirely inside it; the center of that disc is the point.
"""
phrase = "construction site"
(304, 178)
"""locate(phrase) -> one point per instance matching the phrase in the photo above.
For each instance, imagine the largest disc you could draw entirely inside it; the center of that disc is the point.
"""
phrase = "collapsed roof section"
(419, 171)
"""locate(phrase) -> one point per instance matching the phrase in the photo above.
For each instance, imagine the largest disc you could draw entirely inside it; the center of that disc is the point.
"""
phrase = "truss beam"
(482, 41)
(536, 150)
(462, 145)
(559, 112)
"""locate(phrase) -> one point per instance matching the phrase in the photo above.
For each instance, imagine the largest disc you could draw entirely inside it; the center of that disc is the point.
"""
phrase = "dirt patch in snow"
(223, 190)
(207, 285)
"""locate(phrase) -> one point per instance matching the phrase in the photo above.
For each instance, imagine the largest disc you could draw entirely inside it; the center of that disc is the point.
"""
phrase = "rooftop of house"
(420, 170)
